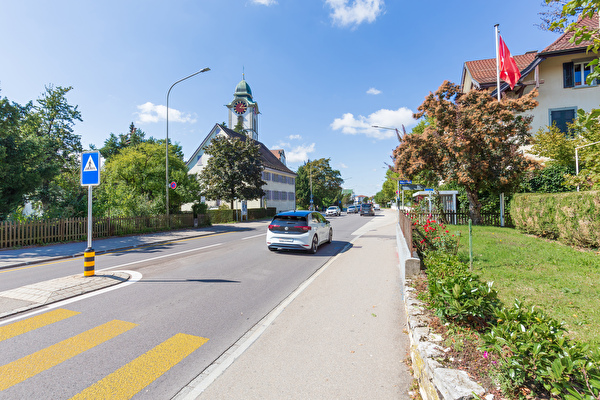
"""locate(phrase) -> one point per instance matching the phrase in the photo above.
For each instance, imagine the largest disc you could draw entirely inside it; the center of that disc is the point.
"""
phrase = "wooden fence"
(75, 229)
(458, 218)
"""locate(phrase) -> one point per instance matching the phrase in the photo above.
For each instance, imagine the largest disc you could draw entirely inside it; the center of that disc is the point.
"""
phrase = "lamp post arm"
(167, 142)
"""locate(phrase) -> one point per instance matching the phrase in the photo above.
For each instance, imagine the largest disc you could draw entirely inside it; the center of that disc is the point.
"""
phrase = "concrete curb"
(435, 381)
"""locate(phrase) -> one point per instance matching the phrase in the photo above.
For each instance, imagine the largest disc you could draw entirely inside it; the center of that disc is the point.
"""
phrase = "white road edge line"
(135, 277)
(192, 390)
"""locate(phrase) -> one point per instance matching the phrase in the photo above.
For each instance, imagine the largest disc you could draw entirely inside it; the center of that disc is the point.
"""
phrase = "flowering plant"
(433, 236)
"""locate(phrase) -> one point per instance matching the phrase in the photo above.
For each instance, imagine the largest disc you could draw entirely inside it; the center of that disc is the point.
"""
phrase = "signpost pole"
(90, 176)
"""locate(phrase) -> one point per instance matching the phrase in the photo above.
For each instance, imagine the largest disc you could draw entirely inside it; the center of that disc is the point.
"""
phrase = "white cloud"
(342, 165)
(364, 125)
(265, 2)
(152, 113)
(294, 137)
(373, 91)
(356, 13)
(299, 153)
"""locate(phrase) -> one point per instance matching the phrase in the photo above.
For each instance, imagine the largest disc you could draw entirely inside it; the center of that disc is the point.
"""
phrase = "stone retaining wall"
(435, 381)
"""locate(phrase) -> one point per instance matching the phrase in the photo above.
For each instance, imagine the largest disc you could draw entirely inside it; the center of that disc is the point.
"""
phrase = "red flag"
(509, 72)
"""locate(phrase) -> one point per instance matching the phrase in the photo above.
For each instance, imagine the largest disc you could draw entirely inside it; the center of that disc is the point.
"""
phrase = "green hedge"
(223, 216)
(572, 218)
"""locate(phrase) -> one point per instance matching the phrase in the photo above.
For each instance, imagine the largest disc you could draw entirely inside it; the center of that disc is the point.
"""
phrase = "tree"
(133, 182)
(19, 168)
(114, 144)
(474, 140)
(233, 171)
(564, 17)
(552, 143)
(51, 121)
(326, 184)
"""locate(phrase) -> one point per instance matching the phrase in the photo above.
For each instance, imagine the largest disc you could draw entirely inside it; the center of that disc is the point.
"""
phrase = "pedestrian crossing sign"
(90, 168)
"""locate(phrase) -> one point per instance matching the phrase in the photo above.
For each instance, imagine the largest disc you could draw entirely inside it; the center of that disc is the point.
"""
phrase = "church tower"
(243, 110)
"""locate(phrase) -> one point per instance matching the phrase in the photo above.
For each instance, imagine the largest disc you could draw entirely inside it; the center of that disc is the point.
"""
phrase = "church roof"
(268, 159)
(243, 90)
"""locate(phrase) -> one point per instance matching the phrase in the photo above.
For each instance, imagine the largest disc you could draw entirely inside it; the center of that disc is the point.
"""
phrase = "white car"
(333, 210)
(299, 230)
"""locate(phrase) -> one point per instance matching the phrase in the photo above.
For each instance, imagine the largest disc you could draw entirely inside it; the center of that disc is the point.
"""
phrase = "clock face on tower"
(240, 107)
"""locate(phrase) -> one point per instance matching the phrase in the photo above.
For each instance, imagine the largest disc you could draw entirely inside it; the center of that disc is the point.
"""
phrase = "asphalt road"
(193, 300)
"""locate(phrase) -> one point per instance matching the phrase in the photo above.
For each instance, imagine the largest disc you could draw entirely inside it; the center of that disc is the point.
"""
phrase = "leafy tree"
(563, 17)
(233, 171)
(133, 182)
(560, 149)
(475, 141)
(51, 121)
(114, 144)
(553, 144)
(19, 154)
(326, 184)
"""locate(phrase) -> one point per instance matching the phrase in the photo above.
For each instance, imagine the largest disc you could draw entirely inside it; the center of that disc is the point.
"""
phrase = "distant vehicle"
(351, 210)
(333, 210)
(376, 207)
(298, 230)
(366, 209)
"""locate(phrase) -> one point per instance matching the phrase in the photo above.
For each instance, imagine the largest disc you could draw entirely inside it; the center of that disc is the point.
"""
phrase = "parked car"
(298, 230)
(376, 207)
(351, 210)
(366, 209)
(333, 210)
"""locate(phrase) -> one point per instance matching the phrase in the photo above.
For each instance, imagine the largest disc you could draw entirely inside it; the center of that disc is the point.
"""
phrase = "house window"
(291, 196)
(283, 195)
(267, 195)
(266, 176)
(560, 118)
(576, 73)
(275, 195)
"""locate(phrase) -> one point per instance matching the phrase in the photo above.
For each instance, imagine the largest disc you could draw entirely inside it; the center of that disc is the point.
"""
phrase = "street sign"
(90, 168)
(413, 187)
(429, 190)
(406, 182)
(173, 185)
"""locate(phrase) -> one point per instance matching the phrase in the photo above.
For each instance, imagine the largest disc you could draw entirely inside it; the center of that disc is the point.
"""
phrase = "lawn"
(562, 281)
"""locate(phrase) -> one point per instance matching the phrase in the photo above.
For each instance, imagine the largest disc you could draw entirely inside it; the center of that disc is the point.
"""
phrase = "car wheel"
(330, 236)
(315, 245)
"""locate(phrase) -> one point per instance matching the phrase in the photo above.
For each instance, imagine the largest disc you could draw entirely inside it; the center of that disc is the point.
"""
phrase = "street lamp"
(577, 158)
(396, 179)
(167, 142)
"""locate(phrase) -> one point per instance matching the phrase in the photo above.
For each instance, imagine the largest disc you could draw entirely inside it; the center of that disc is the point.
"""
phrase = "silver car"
(299, 230)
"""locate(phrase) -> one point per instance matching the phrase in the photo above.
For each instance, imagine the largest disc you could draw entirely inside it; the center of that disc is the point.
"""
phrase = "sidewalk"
(342, 337)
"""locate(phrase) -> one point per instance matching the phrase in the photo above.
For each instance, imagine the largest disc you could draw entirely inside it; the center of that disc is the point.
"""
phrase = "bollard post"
(89, 262)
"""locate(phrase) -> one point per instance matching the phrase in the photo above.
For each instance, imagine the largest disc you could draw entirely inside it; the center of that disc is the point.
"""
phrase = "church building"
(280, 187)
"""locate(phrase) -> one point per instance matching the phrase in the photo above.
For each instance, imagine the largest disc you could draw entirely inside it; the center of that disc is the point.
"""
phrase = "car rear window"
(289, 220)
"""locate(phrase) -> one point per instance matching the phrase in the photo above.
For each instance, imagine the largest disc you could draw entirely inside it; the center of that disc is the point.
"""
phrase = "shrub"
(535, 353)
(433, 237)
(456, 294)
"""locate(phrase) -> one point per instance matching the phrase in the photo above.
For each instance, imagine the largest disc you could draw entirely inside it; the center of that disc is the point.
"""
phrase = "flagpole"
(497, 63)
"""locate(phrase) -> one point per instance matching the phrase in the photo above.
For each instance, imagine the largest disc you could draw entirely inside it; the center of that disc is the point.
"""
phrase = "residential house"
(558, 72)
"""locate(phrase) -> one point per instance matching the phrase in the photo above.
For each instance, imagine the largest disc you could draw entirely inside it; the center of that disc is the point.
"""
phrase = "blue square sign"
(90, 168)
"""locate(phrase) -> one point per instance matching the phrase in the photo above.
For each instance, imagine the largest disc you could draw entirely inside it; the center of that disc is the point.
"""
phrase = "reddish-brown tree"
(473, 140)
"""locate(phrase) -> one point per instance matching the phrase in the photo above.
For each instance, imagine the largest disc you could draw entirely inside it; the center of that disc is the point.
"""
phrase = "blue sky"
(322, 71)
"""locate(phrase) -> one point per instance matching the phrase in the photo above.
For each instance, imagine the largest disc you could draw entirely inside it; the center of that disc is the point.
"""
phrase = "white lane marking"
(163, 256)
(255, 236)
(135, 277)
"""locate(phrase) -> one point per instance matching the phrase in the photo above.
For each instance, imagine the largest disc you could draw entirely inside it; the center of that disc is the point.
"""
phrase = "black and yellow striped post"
(89, 262)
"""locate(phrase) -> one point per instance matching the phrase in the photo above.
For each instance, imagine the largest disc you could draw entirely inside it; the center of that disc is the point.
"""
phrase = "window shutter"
(568, 80)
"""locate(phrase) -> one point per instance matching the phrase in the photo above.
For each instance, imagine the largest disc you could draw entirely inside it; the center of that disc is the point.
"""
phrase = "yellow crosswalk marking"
(30, 324)
(128, 380)
(28, 366)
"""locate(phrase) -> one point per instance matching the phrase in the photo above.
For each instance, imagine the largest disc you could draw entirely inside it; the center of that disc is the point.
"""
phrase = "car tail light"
(304, 228)
(273, 226)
